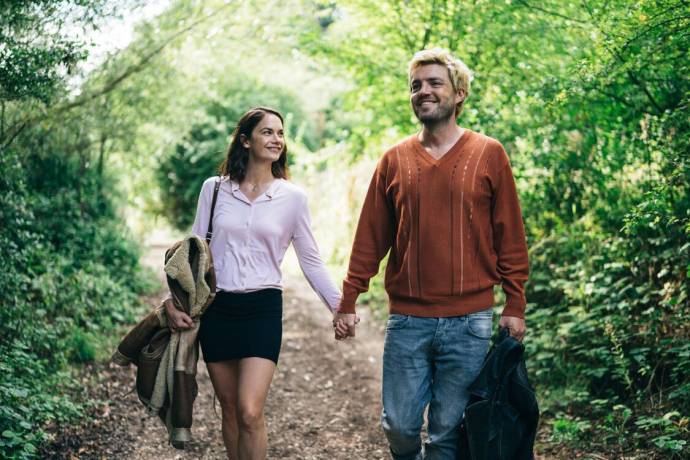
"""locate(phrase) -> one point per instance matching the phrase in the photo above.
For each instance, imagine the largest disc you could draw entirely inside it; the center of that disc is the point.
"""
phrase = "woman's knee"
(250, 417)
(228, 404)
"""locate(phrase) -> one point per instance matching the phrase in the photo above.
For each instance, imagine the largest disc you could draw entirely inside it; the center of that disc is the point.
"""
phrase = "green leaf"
(19, 392)
(670, 415)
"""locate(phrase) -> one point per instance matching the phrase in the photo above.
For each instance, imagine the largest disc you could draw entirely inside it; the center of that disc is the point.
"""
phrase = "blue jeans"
(430, 361)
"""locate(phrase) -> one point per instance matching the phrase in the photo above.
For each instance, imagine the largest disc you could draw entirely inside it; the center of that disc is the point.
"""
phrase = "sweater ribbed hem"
(441, 307)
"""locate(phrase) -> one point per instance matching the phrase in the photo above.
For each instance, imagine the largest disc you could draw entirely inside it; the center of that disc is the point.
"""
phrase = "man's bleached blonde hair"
(460, 74)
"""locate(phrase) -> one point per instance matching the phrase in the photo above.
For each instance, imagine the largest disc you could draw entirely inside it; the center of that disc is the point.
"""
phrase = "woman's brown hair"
(235, 163)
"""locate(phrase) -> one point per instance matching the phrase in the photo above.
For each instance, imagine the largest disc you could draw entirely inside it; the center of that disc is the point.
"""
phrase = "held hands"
(516, 326)
(178, 320)
(344, 325)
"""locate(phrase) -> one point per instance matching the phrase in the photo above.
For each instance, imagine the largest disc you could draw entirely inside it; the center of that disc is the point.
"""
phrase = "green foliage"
(618, 241)
(591, 101)
(568, 430)
(33, 392)
(181, 174)
(199, 154)
(36, 53)
(71, 274)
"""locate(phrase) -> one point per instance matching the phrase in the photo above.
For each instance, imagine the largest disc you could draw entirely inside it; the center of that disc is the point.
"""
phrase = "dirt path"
(323, 404)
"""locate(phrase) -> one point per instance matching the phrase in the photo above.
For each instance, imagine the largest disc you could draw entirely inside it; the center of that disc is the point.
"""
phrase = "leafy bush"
(70, 271)
(70, 275)
(609, 313)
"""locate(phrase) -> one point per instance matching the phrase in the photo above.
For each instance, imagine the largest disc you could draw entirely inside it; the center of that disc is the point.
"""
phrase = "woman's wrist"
(169, 306)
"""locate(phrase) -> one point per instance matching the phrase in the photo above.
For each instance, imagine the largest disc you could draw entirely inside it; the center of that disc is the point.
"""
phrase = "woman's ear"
(244, 141)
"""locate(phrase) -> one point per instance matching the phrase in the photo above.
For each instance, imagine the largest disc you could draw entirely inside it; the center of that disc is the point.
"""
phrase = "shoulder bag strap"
(209, 233)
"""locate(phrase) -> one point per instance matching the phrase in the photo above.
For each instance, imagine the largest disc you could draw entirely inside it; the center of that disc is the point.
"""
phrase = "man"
(444, 203)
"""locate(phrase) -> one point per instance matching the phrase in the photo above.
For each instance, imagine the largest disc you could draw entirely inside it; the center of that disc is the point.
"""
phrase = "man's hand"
(344, 325)
(177, 319)
(516, 326)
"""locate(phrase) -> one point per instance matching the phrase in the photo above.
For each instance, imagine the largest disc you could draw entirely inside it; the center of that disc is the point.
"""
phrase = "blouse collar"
(270, 193)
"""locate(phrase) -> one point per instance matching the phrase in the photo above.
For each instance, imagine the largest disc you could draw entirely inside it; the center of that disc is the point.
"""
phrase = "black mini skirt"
(242, 325)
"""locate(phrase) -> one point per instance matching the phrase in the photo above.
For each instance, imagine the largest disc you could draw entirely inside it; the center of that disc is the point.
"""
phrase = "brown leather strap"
(209, 232)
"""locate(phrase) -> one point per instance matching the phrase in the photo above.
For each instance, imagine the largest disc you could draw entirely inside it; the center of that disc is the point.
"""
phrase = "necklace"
(254, 187)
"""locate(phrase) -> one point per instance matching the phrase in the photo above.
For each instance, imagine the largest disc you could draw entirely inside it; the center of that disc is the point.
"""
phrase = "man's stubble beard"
(442, 113)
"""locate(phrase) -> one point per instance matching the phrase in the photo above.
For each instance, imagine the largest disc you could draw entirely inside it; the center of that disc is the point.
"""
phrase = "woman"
(257, 214)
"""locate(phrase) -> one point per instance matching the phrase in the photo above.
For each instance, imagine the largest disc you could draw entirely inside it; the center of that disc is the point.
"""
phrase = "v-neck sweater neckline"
(453, 151)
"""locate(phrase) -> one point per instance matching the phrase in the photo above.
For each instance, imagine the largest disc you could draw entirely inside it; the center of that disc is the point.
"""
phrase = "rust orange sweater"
(453, 227)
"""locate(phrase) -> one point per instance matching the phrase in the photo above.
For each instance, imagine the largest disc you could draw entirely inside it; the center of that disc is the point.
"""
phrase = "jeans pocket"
(479, 324)
(396, 321)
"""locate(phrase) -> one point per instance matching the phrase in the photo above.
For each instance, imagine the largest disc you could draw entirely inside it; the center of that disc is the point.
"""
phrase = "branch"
(101, 154)
(551, 13)
(653, 27)
(13, 135)
(633, 77)
(432, 20)
(648, 387)
(109, 86)
(618, 57)
(616, 97)
(403, 28)
(455, 25)
(112, 84)
(644, 89)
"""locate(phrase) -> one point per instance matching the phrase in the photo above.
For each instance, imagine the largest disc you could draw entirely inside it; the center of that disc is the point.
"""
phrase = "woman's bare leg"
(255, 375)
(225, 379)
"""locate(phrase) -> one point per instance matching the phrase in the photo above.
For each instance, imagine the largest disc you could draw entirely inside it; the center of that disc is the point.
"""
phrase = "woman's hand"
(177, 319)
(344, 325)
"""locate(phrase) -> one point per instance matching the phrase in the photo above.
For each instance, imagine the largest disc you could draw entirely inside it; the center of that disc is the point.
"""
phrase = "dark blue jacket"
(501, 416)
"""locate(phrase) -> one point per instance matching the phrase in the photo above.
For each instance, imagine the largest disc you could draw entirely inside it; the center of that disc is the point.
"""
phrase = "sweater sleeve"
(509, 240)
(310, 260)
(373, 239)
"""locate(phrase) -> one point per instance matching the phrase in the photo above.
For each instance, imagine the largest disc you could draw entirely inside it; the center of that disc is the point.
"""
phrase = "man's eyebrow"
(416, 80)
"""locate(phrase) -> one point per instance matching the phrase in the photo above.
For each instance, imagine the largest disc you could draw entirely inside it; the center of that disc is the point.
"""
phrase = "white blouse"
(250, 238)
